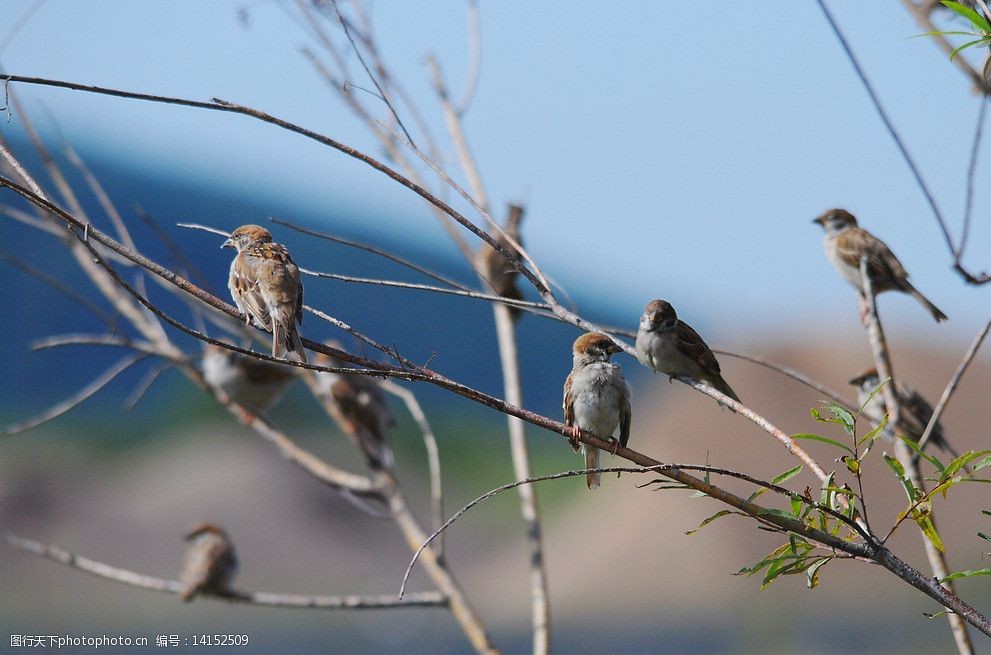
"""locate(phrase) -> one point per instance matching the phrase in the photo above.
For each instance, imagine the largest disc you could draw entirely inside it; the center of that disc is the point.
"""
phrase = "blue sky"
(663, 149)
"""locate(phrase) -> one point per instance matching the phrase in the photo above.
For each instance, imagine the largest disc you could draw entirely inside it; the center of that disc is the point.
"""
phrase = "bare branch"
(522, 304)
(205, 228)
(75, 399)
(368, 71)
(59, 286)
(789, 372)
(951, 386)
(882, 361)
(372, 249)
(123, 576)
(971, 175)
(474, 57)
(433, 454)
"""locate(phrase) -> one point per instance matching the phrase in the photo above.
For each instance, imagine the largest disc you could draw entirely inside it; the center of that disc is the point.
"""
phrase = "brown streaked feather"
(885, 269)
(569, 409)
(625, 421)
(693, 346)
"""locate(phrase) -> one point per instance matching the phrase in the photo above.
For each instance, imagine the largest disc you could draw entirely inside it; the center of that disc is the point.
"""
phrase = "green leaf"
(843, 414)
(895, 465)
(978, 21)
(778, 479)
(983, 536)
(956, 51)
(899, 470)
(796, 505)
(852, 464)
(718, 515)
(961, 461)
(812, 573)
(876, 391)
(984, 463)
(787, 475)
(874, 433)
(918, 451)
(816, 437)
(928, 528)
(966, 574)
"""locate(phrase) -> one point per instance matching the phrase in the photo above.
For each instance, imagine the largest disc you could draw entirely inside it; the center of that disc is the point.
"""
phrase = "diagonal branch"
(123, 576)
(75, 399)
(882, 361)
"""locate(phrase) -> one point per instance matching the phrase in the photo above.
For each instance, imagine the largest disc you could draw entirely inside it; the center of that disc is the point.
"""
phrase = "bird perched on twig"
(596, 397)
(265, 285)
(846, 244)
(670, 346)
(496, 269)
(913, 417)
(362, 408)
(210, 562)
(252, 383)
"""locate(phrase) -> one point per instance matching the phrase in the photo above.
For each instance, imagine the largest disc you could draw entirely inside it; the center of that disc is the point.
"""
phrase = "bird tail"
(591, 462)
(720, 384)
(925, 302)
(376, 448)
(286, 343)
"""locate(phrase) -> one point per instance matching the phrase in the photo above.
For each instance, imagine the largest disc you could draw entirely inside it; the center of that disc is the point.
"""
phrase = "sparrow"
(914, 413)
(252, 383)
(362, 407)
(596, 397)
(264, 283)
(846, 244)
(496, 269)
(670, 346)
(210, 562)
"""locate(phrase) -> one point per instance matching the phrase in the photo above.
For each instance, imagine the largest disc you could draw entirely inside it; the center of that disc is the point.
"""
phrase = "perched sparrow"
(596, 397)
(670, 346)
(264, 282)
(210, 562)
(846, 244)
(252, 383)
(914, 413)
(360, 403)
(496, 269)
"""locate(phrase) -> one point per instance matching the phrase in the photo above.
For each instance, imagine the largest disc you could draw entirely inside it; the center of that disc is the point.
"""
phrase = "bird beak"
(818, 221)
(613, 349)
(228, 244)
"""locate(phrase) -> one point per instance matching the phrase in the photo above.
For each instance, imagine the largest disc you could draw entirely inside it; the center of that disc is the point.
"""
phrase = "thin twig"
(372, 249)
(59, 286)
(174, 250)
(123, 576)
(951, 386)
(975, 148)
(75, 399)
(474, 57)
(789, 372)
(522, 304)
(433, 454)
(371, 76)
(142, 387)
(205, 228)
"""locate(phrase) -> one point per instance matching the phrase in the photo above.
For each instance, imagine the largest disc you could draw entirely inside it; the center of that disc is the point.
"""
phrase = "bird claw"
(573, 438)
(615, 445)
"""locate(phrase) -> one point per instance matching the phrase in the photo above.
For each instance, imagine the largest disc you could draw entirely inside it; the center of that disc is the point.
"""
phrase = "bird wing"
(569, 406)
(694, 347)
(244, 285)
(882, 264)
(626, 413)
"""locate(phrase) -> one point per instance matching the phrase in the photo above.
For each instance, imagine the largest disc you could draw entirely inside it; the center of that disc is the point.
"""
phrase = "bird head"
(247, 235)
(836, 220)
(658, 316)
(594, 346)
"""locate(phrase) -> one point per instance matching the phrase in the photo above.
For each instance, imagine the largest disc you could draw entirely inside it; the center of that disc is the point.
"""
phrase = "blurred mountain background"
(679, 194)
